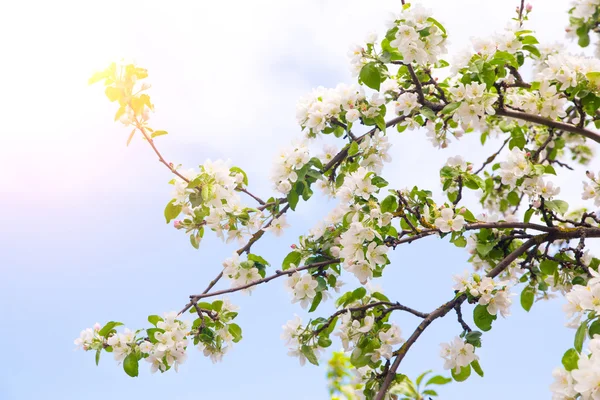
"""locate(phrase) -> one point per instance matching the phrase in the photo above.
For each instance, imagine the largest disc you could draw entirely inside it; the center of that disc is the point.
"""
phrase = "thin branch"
(491, 158)
(536, 119)
(277, 274)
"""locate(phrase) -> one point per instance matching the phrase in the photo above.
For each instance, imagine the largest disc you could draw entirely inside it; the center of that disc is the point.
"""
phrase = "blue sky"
(82, 236)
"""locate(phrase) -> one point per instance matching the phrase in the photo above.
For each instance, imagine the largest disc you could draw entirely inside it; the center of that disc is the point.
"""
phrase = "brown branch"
(277, 274)
(536, 119)
(491, 158)
(169, 165)
(390, 307)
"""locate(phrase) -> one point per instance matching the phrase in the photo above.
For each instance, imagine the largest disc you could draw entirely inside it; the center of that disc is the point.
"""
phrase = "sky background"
(82, 234)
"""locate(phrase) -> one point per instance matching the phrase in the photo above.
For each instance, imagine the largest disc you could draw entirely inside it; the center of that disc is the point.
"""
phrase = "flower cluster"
(302, 287)
(457, 354)
(475, 103)
(295, 335)
(494, 295)
(316, 111)
(167, 343)
(582, 299)
(418, 36)
(287, 163)
(241, 273)
(546, 102)
(209, 198)
(217, 335)
(581, 376)
(361, 258)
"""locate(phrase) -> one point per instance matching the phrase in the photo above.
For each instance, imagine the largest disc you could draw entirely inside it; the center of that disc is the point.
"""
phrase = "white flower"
(457, 354)
(449, 222)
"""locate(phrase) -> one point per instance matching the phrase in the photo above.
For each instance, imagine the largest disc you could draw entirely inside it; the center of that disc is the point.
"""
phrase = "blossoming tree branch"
(521, 241)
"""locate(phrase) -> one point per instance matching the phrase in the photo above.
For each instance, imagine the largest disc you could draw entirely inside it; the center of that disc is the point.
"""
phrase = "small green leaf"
(158, 133)
(353, 149)
(482, 318)
(389, 204)
(462, 375)
(570, 359)
(477, 368)
(130, 365)
(370, 75)
(513, 198)
(548, 267)
(235, 331)
(316, 301)
(580, 336)
(172, 210)
(558, 206)
(292, 258)
(154, 319)
(108, 327)
(98, 356)
(449, 108)
(438, 380)
(594, 328)
(309, 354)
(527, 298)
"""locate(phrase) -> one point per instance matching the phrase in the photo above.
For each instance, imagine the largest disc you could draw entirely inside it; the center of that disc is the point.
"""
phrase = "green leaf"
(130, 365)
(450, 108)
(528, 215)
(580, 336)
(258, 259)
(172, 211)
(482, 318)
(309, 354)
(517, 139)
(420, 377)
(527, 297)
(238, 170)
(462, 375)
(158, 133)
(570, 359)
(235, 331)
(359, 358)
(438, 380)
(154, 319)
(477, 368)
(584, 40)
(316, 301)
(108, 327)
(389, 204)
(548, 267)
(594, 328)
(513, 198)
(293, 198)
(98, 356)
(529, 40)
(436, 23)
(292, 258)
(558, 206)
(370, 75)
(353, 149)
(473, 337)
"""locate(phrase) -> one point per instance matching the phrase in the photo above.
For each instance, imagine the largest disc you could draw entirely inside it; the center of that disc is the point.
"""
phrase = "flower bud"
(97, 327)
(528, 7)
(589, 174)
(294, 246)
(462, 210)
(537, 203)
(177, 224)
